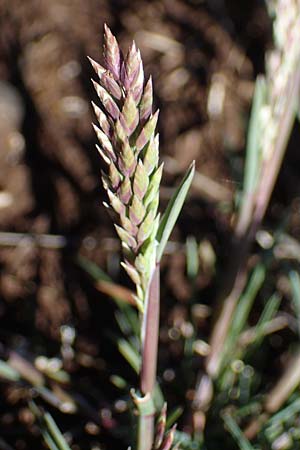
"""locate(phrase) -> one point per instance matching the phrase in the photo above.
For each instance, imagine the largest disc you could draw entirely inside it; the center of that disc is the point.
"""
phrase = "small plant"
(129, 146)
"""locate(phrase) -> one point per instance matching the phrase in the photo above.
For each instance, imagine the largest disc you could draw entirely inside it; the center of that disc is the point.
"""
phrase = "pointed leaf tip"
(172, 212)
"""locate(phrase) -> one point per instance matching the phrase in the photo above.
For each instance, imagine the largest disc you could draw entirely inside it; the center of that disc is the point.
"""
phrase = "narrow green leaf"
(118, 381)
(246, 301)
(242, 311)
(174, 416)
(158, 397)
(286, 414)
(268, 313)
(55, 432)
(68, 406)
(8, 372)
(236, 432)
(269, 310)
(49, 441)
(173, 210)
(50, 431)
(130, 354)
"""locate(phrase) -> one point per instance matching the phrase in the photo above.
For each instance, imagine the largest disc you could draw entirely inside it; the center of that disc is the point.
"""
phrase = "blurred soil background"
(204, 57)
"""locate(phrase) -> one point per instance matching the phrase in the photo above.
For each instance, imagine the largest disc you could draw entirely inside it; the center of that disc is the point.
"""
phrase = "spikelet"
(281, 64)
(129, 147)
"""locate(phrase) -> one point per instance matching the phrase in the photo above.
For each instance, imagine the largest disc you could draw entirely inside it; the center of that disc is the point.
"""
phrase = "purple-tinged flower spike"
(130, 148)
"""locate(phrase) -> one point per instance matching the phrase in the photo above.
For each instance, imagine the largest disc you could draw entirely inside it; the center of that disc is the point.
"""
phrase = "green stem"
(145, 432)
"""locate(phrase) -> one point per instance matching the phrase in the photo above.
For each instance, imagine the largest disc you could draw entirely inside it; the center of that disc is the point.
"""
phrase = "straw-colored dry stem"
(283, 81)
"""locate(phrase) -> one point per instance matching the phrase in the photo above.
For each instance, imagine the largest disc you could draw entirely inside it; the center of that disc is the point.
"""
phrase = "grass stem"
(149, 360)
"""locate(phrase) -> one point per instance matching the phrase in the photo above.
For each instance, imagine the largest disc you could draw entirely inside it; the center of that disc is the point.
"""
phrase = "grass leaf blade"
(130, 354)
(173, 210)
(50, 431)
(236, 432)
(7, 372)
(55, 432)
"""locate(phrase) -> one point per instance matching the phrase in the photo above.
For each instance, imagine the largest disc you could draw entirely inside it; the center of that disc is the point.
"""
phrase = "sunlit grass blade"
(50, 431)
(8, 373)
(172, 212)
(285, 414)
(254, 159)
(118, 381)
(66, 405)
(286, 384)
(269, 310)
(268, 313)
(130, 354)
(49, 441)
(236, 432)
(55, 432)
(174, 416)
(116, 291)
(243, 309)
(276, 424)
(247, 299)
